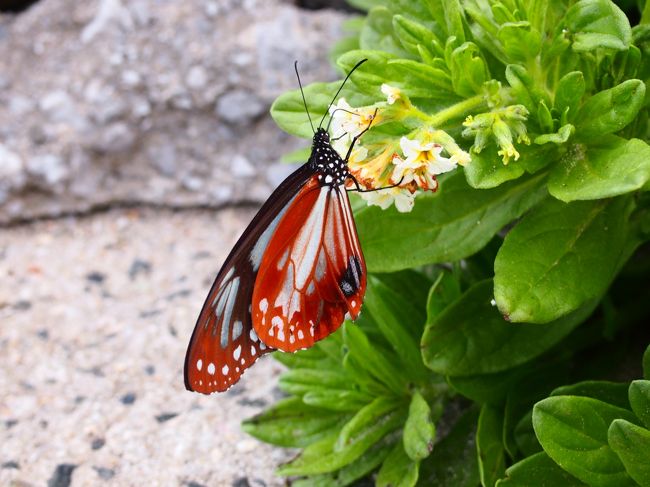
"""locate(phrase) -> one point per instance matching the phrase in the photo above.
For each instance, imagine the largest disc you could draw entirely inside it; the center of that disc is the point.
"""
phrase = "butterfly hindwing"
(224, 342)
(312, 272)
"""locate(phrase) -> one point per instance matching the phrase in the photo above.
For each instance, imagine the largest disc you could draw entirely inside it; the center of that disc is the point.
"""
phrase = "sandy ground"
(95, 316)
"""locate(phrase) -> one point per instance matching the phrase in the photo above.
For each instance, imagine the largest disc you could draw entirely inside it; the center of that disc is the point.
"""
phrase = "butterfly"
(292, 276)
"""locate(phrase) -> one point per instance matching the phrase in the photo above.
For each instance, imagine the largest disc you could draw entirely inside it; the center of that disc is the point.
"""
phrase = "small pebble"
(256, 403)
(97, 443)
(128, 398)
(138, 267)
(161, 418)
(104, 473)
(241, 482)
(62, 476)
(11, 464)
(95, 276)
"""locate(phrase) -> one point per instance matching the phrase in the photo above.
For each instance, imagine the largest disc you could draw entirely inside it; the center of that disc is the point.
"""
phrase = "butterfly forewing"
(312, 272)
(224, 342)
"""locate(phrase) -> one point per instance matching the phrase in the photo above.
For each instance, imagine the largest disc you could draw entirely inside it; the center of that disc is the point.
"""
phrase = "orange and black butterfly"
(291, 278)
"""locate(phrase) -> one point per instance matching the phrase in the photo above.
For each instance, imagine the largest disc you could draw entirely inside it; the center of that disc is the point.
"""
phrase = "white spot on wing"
(211, 368)
(253, 335)
(277, 321)
(224, 370)
(283, 260)
(253, 350)
(237, 328)
(237, 352)
(199, 364)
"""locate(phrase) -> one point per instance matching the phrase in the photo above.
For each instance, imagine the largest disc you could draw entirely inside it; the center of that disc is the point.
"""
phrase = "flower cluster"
(502, 125)
(403, 169)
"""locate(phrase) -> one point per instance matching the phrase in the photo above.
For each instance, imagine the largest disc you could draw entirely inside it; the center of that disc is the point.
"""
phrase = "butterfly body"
(290, 280)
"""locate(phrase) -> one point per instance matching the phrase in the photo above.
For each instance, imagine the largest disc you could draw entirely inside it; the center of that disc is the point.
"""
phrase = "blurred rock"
(48, 169)
(239, 107)
(112, 101)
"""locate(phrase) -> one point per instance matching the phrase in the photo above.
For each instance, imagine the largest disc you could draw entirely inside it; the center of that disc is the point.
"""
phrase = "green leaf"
(367, 4)
(519, 41)
(363, 355)
(468, 70)
(524, 435)
(291, 423)
(612, 167)
(573, 431)
(398, 470)
(416, 80)
(448, 225)
(471, 337)
(632, 444)
(610, 110)
(421, 80)
(639, 395)
(300, 381)
(544, 117)
(336, 399)
(396, 316)
(487, 170)
(558, 257)
(346, 475)
(377, 33)
(538, 471)
(569, 92)
(614, 393)
(298, 155)
(454, 462)
(454, 19)
(288, 109)
(314, 358)
(484, 388)
(320, 457)
(593, 24)
(366, 417)
(543, 374)
(444, 291)
(524, 87)
(562, 135)
(491, 454)
(413, 34)
(419, 430)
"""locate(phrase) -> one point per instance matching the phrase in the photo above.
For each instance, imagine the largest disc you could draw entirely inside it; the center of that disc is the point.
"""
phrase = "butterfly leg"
(359, 190)
(358, 136)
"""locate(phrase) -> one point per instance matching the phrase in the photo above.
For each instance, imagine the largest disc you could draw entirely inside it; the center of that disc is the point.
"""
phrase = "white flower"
(461, 158)
(402, 198)
(426, 154)
(391, 93)
(421, 163)
(358, 154)
(349, 121)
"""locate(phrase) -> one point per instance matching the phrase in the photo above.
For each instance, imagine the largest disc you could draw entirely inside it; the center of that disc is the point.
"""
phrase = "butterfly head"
(321, 137)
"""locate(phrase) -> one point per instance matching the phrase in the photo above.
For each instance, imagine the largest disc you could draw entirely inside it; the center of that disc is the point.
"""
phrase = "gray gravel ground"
(95, 315)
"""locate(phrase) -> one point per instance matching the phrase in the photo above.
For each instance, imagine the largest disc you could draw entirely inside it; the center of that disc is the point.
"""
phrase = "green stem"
(457, 111)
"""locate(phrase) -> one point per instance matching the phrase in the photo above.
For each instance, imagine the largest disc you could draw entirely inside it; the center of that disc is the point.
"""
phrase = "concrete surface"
(95, 316)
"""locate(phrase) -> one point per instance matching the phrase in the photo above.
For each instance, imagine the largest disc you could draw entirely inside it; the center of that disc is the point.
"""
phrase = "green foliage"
(501, 306)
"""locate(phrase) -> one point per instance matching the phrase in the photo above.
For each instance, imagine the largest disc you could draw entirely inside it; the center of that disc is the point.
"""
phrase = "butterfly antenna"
(339, 90)
(295, 65)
